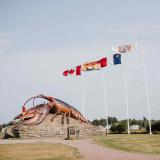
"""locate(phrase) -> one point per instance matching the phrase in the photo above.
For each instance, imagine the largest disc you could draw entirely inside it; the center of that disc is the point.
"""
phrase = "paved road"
(91, 151)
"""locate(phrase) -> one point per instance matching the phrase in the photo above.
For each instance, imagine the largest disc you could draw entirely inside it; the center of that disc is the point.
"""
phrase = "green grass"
(38, 151)
(132, 143)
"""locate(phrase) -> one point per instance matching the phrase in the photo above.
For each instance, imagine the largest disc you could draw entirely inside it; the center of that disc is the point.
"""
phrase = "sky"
(40, 39)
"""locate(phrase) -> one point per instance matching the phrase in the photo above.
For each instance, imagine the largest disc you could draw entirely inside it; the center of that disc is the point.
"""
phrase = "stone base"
(56, 129)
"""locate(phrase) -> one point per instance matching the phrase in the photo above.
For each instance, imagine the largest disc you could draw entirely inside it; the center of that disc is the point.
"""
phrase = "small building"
(134, 127)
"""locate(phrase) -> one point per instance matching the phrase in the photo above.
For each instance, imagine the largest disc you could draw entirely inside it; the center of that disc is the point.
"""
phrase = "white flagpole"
(105, 99)
(83, 95)
(126, 97)
(146, 86)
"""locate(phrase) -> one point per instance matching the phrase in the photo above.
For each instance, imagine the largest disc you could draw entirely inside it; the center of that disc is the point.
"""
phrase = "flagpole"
(83, 95)
(105, 99)
(126, 97)
(146, 88)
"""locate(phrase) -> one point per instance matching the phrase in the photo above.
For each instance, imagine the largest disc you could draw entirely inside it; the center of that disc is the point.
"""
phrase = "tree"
(95, 122)
(103, 122)
(133, 122)
(112, 120)
(124, 122)
(144, 122)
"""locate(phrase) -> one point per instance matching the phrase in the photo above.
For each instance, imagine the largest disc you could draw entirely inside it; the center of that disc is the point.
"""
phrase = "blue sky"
(40, 39)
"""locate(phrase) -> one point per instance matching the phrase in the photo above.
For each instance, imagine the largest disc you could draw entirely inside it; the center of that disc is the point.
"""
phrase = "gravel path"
(91, 151)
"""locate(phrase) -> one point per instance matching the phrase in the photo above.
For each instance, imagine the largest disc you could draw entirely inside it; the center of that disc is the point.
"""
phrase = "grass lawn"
(38, 151)
(132, 143)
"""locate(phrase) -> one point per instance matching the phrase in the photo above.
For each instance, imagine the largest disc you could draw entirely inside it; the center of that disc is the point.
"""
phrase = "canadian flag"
(76, 71)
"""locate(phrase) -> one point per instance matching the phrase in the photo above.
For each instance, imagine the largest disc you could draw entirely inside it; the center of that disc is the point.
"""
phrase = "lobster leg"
(67, 117)
(63, 118)
(52, 118)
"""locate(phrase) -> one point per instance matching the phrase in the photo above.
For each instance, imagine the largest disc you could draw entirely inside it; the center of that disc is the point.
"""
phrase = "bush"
(114, 129)
(118, 128)
(155, 126)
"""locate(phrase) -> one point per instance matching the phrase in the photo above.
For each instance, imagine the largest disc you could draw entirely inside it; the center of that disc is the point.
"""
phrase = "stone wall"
(56, 129)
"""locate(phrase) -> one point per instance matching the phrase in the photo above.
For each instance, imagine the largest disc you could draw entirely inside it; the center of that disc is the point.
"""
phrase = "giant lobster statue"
(37, 114)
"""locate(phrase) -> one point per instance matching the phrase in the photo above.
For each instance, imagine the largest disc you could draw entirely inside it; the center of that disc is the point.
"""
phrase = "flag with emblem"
(123, 49)
(116, 59)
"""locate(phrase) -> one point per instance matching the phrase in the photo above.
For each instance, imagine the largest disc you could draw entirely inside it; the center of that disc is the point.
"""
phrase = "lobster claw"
(41, 96)
(49, 98)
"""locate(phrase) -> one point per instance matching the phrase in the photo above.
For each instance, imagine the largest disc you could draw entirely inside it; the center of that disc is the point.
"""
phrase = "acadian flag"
(123, 49)
(116, 59)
